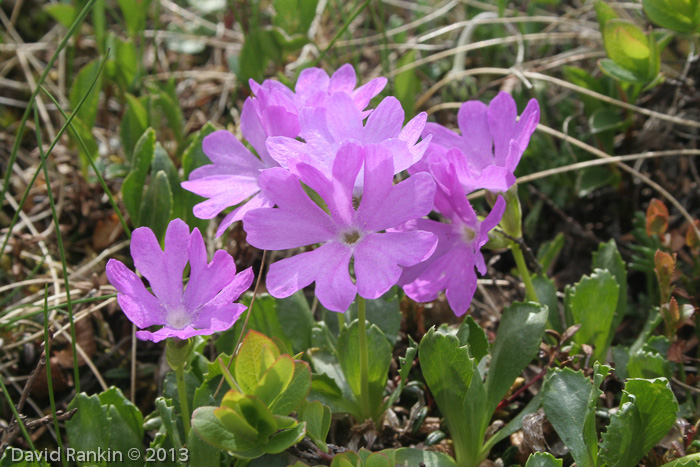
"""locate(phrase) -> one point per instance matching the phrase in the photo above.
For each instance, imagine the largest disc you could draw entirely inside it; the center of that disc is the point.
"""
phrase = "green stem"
(524, 273)
(182, 393)
(364, 358)
(177, 352)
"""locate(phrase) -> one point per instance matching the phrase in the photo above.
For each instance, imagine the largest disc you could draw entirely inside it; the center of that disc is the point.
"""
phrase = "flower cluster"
(322, 175)
(370, 234)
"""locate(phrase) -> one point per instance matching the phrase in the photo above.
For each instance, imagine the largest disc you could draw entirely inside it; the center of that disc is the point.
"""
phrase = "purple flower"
(351, 229)
(313, 88)
(204, 307)
(458, 252)
(232, 178)
(492, 142)
(324, 129)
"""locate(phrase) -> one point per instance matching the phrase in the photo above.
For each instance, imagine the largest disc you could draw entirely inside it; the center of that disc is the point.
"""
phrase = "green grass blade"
(23, 123)
(61, 250)
(49, 381)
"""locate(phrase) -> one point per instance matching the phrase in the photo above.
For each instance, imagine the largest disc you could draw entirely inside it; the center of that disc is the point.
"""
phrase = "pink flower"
(492, 142)
(351, 229)
(451, 267)
(204, 307)
(325, 129)
(313, 88)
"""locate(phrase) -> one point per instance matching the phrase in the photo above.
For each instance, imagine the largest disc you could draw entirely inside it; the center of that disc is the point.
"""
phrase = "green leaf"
(82, 82)
(211, 430)
(383, 311)
(156, 205)
(318, 422)
(13, 457)
(543, 459)
(134, 124)
(644, 364)
(647, 412)
(168, 418)
(134, 12)
(517, 341)
(605, 13)
(615, 71)
(627, 45)
(605, 119)
(127, 60)
(296, 392)
(676, 15)
(608, 257)
(132, 189)
(593, 301)
(258, 50)
(63, 13)
(549, 251)
(257, 353)
(547, 295)
(294, 16)
(284, 439)
(275, 380)
(449, 371)
(471, 334)
(407, 85)
(413, 456)
(129, 413)
(325, 390)
(200, 453)
(569, 402)
(107, 424)
(380, 351)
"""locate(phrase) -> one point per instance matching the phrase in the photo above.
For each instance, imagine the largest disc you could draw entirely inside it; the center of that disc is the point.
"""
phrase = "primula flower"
(458, 252)
(204, 307)
(324, 129)
(313, 87)
(352, 229)
(492, 142)
(232, 178)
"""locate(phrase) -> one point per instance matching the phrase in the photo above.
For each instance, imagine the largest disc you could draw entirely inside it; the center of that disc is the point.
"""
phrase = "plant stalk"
(364, 358)
(182, 393)
(524, 273)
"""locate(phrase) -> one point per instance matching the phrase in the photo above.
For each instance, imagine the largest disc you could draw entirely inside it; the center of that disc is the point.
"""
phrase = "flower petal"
(163, 269)
(502, 116)
(343, 118)
(365, 93)
(206, 280)
(385, 122)
(140, 306)
(327, 266)
(257, 201)
(343, 80)
(378, 257)
(223, 191)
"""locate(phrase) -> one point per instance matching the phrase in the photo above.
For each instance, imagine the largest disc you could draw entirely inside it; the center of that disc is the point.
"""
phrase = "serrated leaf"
(517, 341)
(472, 334)
(608, 257)
(413, 456)
(543, 459)
(569, 401)
(592, 302)
(643, 364)
(647, 412)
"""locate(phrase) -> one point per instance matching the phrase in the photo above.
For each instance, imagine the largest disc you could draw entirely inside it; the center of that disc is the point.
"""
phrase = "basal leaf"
(676, 15)
(517, 341)
(543, 459)
(592, 302)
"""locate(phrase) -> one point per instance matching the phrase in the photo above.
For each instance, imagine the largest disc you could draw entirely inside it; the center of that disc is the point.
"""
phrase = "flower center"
(351, 237)
(356, 200)
(178, 318)
(468, 234)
